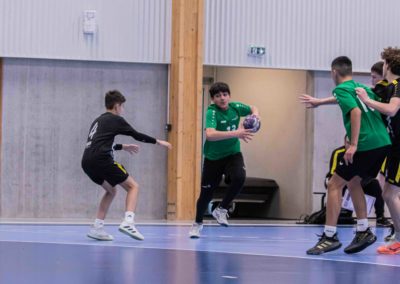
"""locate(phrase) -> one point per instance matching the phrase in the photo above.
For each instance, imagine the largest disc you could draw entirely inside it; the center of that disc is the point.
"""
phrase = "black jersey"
(380, 90)
(393, 90)
(99, 145)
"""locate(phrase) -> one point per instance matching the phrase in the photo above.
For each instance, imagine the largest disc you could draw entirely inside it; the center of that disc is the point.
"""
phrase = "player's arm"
(355, 121)
(214, 135)
(254, 110)
(127, 129)
(312, 102)
(389, 109)
(130, 148)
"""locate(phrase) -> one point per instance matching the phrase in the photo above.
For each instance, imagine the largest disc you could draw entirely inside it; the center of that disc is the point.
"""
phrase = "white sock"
(98, 223)
(129, 217)
(329, 231)
(362, 225)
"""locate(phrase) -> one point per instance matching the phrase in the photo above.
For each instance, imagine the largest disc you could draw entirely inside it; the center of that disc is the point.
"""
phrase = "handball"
(252, 122)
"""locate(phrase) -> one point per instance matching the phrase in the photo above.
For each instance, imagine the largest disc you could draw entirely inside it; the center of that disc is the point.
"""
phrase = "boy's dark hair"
(378, 68)
(342, 65)
(392, 57)
(114, 97)
(218, 87)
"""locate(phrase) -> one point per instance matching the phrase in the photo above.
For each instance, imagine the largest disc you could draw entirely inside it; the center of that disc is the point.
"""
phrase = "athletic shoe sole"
(99, 239)
(324, 251)
(139, 238)
(360, 248)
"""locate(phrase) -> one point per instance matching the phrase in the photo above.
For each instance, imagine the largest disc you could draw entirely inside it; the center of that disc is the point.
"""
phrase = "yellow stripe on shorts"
(398, 174)
(335, 156)
(121, 167)
(383, 166)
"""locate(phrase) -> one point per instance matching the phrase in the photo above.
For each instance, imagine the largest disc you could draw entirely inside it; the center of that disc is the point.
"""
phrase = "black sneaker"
(383, 222)
(361, 241)
(325, 244)
(391, 236)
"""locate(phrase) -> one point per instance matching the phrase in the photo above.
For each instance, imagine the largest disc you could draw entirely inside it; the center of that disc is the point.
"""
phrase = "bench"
(255, 190)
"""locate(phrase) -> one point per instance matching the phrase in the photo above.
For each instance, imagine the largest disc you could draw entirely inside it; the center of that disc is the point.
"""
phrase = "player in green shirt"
(368, 145)
(222, 154)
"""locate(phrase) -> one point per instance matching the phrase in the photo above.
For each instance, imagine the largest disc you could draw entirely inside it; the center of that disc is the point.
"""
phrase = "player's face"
(384, 69)
(375, 78)
(222, 100)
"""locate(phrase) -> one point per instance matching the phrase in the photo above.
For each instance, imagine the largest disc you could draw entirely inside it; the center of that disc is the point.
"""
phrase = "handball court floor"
(32, 253)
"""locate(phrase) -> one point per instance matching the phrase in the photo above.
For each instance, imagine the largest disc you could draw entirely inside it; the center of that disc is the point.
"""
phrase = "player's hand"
(362, 94)
(130, 148)
(164, 143)
(309, 101)
(245, 134)
(349, 154)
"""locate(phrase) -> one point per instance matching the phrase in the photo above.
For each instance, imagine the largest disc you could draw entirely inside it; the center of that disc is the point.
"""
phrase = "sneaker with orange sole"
(393, 248)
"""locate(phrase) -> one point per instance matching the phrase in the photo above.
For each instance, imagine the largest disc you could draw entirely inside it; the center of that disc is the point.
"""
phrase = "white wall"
(127, 30)
(305, 34)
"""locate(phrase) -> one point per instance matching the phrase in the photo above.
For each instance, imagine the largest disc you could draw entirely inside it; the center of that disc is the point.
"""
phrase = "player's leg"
(128, 224)
(97, 231)
(210, 179)
(236, 173)
(329, 240)
(391, 195)
(364, 237)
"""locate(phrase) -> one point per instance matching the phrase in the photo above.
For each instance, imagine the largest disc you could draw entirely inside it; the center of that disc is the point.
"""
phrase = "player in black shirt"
(390, 107)
(98, 163)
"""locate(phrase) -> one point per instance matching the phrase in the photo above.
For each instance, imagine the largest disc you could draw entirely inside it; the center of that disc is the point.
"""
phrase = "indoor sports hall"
(155, 93)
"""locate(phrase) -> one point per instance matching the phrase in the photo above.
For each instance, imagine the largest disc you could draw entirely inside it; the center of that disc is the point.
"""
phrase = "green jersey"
(373, 133)
(224, 120)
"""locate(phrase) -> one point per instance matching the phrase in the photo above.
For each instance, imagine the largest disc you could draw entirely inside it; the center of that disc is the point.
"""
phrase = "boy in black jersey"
(390, 107)
(98, 163)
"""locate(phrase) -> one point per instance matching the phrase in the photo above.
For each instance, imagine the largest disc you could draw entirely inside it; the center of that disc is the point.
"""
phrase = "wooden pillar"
(186, 73)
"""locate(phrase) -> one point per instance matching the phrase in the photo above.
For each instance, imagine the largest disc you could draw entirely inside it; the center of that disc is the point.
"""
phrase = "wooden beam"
(186, 73)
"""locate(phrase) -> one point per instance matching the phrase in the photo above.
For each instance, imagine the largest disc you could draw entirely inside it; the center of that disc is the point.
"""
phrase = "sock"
(329, 231)
(129, 216)
(98, 223)
(362, 225)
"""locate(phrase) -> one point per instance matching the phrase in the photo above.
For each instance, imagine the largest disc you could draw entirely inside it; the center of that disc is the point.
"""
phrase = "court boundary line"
(193, 250)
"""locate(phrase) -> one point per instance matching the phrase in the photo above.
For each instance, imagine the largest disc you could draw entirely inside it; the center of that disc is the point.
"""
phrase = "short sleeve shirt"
(373, 133)
(224, 120)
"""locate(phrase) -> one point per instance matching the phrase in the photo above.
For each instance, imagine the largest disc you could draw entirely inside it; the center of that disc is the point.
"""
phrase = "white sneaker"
(195, 230)
(130, 230)
(99, 234)
(221, 215)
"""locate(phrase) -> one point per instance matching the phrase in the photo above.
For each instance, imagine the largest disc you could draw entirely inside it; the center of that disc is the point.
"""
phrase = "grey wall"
(48, 107)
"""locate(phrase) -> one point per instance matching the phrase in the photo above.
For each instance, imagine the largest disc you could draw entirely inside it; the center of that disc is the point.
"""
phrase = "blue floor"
(237, 254)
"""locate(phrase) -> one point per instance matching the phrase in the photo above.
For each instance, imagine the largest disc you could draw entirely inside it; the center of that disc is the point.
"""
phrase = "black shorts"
(111, 171)
(365, 164)
(392, 169)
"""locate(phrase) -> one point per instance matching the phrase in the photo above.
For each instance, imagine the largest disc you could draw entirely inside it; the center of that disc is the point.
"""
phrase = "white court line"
(197, 250)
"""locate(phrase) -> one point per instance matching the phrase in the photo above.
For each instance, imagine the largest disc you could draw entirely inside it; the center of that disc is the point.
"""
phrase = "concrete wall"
(279, 150)
(48, 107)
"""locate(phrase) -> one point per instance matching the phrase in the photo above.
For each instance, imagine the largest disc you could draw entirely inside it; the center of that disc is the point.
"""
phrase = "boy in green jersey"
(222, 154)
(368, 145)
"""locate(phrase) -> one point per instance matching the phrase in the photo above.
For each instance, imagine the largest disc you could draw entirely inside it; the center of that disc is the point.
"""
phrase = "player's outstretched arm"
(312, 102)
(130, 148)
(254, 110)
(164, 143)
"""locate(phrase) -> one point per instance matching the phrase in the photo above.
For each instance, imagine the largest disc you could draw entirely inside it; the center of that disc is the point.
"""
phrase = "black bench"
(255, 190)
